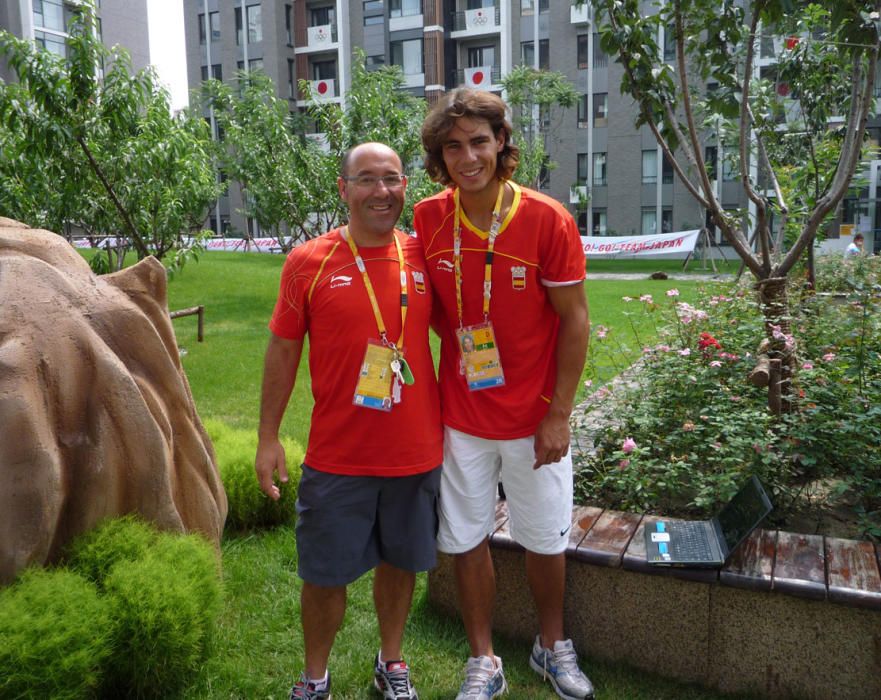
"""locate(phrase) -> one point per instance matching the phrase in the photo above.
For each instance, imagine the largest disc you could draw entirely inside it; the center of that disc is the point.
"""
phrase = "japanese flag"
(478, 78)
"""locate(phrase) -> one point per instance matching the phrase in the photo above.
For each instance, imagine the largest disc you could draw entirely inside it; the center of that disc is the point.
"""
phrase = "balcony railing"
(580, 14)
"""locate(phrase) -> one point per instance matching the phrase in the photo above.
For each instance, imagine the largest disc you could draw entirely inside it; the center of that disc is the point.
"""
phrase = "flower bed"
(688, 427)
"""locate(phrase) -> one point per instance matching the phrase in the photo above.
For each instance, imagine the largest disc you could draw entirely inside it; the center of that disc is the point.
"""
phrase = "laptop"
(707, 543)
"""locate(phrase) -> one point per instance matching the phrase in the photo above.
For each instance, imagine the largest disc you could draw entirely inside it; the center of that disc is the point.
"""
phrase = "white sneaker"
(560, 667)
(483, 679)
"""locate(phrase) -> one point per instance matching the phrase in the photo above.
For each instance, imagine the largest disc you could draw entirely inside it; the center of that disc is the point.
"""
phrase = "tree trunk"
(778, 328)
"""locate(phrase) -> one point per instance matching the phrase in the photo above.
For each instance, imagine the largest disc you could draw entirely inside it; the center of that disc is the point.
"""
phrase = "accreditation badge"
(480, 356)
(374, 387)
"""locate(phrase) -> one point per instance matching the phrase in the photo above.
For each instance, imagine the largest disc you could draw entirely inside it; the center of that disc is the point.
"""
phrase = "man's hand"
(551, 439)
(270, 459)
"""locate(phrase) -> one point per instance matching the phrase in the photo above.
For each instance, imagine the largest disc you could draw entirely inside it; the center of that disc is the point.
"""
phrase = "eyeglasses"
(368, 182)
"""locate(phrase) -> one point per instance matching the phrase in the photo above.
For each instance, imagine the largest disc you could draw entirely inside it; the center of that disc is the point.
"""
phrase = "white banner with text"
(658, 244)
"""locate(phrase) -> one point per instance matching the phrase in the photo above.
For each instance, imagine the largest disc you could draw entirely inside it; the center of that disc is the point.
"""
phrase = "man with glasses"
(371, 472)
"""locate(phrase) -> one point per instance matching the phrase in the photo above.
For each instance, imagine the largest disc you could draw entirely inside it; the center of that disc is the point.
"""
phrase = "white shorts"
(539, 500)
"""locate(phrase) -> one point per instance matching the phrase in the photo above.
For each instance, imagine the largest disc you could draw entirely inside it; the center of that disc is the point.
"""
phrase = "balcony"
(580, 14)
(322, 37)
(470, 23)
(479, 77)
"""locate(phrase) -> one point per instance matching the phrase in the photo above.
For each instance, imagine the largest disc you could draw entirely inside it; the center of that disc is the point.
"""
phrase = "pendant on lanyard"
(384, 370)
(479, 358)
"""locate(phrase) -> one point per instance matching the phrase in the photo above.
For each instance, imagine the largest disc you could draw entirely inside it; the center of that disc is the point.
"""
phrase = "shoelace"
(399, 680)
(475, 677)
(567, 659)
(302, 691)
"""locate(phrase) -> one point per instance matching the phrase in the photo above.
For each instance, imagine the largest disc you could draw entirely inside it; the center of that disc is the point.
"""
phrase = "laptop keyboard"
(690, 541)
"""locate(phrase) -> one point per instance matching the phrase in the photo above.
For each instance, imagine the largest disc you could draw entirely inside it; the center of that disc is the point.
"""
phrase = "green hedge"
(55, 636)
(249, 507)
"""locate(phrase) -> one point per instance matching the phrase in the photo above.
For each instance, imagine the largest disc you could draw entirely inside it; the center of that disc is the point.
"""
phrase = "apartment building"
(612, 176)
(46, 22)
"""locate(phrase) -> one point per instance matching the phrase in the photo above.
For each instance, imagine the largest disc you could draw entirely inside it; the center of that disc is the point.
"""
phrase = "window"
(51, 42)
(649, 167)
(582, 112)
(408, 55)
(730, 169)
(238, 26)
(320, 16)
(374, 62)
(292, 78)
(216, 72)
(600, 59)
(600, 109)
(711, 158)
(214, 21)
(404, 8)
(527, 7)
(544, 175)
(669, 43)
(255, 64)
(481, 56)
(581, 169)
(599, 169)
(370, 20)
(527, 53)
(255, 23)
(371, 5)
(323, 70)
(599, 227)
(666, 220)
(666, 171)
(52, 14)
(582, 223)
(649, 222)
(544, 54)
(477, 4)
(582, 50)
(288, 25)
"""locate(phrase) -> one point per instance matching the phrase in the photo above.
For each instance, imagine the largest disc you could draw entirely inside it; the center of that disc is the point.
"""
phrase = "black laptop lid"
(743, 513)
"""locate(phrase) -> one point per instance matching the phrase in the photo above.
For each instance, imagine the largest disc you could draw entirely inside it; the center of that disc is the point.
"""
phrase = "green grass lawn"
(259, 649)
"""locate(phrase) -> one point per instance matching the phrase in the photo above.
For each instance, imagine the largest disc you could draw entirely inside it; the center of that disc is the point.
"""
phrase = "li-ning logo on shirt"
(419, 282)
(518, 277)
(445, 265)
(340, 281)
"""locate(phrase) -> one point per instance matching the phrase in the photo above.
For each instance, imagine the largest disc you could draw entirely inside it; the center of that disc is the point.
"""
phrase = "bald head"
(368, 151)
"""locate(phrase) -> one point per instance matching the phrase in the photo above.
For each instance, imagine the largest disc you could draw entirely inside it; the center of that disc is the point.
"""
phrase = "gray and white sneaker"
(392, 679)
(483, 679)
(560, 667)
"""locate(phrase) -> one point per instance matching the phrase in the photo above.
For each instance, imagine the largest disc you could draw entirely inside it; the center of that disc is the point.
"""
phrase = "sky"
(165, 21)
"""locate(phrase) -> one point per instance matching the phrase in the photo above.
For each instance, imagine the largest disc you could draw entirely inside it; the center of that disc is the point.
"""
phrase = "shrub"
(164, 606)
(691, 428)
(55, 635)
(248, 505)
(93, 554)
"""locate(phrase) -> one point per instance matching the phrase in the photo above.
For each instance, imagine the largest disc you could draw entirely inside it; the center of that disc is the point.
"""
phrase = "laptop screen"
(744, 512)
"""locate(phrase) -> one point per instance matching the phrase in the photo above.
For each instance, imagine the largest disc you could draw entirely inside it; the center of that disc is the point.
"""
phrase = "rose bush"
(690, 428)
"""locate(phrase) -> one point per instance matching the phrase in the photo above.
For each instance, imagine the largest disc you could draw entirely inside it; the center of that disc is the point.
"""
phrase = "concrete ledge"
(789, 616)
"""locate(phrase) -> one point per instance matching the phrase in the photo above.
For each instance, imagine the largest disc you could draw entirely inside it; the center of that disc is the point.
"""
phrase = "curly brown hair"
(476, 104)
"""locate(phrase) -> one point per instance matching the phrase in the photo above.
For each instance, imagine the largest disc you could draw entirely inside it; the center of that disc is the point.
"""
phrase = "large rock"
(96, 415)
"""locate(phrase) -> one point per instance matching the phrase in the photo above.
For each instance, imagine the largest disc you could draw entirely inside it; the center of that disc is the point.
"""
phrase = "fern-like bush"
(55, 636)
(249, 507)
(94, 553)
(164, 606)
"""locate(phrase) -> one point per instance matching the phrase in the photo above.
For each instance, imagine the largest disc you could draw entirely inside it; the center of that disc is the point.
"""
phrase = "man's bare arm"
(552, 435)
(279, 374)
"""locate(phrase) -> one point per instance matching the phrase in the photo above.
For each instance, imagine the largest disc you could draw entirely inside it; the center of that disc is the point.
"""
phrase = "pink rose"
(628, 446)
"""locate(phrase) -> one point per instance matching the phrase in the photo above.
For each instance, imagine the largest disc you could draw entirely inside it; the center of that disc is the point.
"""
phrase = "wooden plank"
(752, 564)
(634, 558)
(583, 519)
(501, 536)
(853, 575)
(800, 566)
(607, 540)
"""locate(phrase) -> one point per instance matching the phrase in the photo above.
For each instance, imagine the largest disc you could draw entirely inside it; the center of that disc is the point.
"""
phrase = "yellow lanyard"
(488, 263)
(359, 262)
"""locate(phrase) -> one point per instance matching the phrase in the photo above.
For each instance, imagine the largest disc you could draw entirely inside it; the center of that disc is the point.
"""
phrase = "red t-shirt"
(323, 294)
(538, 246)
